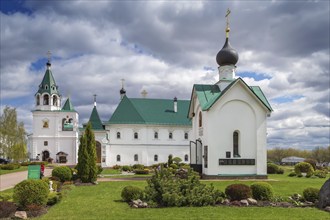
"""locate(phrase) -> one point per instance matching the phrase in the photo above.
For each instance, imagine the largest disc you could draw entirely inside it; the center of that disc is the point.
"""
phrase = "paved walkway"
(8, 181)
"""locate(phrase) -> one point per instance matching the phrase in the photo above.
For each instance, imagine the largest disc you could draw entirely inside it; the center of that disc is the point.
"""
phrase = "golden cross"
(49, 54)
(227, 17)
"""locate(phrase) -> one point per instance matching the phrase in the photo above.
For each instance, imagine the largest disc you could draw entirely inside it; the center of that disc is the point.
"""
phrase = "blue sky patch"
(255, 76)
(286, 99)
(13, 6)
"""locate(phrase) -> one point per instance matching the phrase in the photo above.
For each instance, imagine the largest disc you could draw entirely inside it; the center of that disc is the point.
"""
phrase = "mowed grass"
(103, 201)
(22, 168)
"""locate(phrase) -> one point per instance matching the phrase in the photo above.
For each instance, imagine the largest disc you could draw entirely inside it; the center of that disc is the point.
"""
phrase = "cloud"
(164, 47)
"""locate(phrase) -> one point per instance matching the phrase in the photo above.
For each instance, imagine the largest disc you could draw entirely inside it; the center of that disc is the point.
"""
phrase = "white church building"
(229, 123)
(220, 131)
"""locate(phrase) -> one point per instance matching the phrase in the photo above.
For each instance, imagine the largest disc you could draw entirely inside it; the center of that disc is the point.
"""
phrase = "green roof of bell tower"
(95, 120)
(48, 84)
(68, 106)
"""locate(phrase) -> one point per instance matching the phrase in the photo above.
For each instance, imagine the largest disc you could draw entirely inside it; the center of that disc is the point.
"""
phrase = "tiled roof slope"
(95, 120)
(50, 82)
(68, 106)
(150, 111)
(208, 94)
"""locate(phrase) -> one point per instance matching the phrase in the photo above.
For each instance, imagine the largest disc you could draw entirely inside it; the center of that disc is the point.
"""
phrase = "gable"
(208, 95)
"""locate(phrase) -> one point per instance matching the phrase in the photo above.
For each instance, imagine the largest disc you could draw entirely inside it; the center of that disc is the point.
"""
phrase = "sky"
(164, 47)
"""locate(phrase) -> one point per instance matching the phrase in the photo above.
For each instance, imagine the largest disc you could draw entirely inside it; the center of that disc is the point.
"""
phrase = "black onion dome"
(227, 55)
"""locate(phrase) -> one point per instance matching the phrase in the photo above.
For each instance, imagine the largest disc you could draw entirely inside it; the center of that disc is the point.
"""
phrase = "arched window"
(200, 120)
(186, 158)
(67, 124)
(46, 87)
(118, 135)
(46, 99)
(38, 99)
(170, 135)
(136, 157)
(156, 135)
(55, 100)
(186, 135)
(136, 135)
(155, 157)
(118, 158)
(235, 144)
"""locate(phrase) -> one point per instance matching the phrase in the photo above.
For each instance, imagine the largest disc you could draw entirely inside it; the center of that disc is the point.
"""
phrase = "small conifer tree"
(82, 166)
(91, 151)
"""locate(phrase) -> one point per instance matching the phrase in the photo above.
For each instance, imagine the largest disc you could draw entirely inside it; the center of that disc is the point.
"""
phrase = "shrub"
(6, 209)
(31, 192)
(127, 168)
(25, 163)
(177, 160)
(321, 173)
(10, 166)
(130, 193)
(292, 174)
(5, 196)
(138, 166)
(311, 162)
(116, 167)
(238, 191)
(303, 167)
(280, 170)
(99, 169)
(311, 194)
(168, 187)
(53, 198)
(174, 166)
(262, 191)
(144, 171)
(271, 168)
(299, 175)
(63, 173)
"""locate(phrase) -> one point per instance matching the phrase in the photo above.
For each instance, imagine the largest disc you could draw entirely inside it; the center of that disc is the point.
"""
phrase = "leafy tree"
(87, 169)
(13, 136)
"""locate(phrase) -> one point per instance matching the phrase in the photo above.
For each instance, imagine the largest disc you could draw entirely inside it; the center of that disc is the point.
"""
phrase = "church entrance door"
(45, 155)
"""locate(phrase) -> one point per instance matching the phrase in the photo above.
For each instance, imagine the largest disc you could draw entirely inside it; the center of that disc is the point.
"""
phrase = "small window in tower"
(170, 135)
(118, 135)
(155, 157)
(186, 158)
(136, 157)
(118, 158)
(136, 135)
(38, 99)
(156, 135)
(55, 100)
(46, 86)
(186, 135)
(45, 143)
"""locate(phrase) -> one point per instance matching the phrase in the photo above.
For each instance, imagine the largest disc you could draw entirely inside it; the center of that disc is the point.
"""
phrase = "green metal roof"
(208, 94)
(48, 84)
(68, 106)
(95, 120)
(150, 111)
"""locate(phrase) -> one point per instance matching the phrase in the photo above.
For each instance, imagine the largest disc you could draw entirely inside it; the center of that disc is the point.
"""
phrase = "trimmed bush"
(130, 193)
(304, 167)
(292, 174)
(99, 169)
(10, 166)
(116, 167)
(274, 169)
(311, 162)
(262, 191)
(280, 170)
(177, 160)
(53, 198)
(321, 173)
(30, 192)
(127, 168)
(138, 166)
(144, 171)
(63, 173)
(311, 194)
(238, 191)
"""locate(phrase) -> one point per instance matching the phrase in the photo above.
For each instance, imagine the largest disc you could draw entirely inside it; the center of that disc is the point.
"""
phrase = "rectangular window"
(228, 154)
(156, 135)
(237, 162)
(170, 135)
(136, 135)
(186, 136)
(45, 143)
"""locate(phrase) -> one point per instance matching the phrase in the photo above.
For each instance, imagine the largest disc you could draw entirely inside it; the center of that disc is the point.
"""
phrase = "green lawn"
(103, 201)
(108, 171)
(22, 168)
